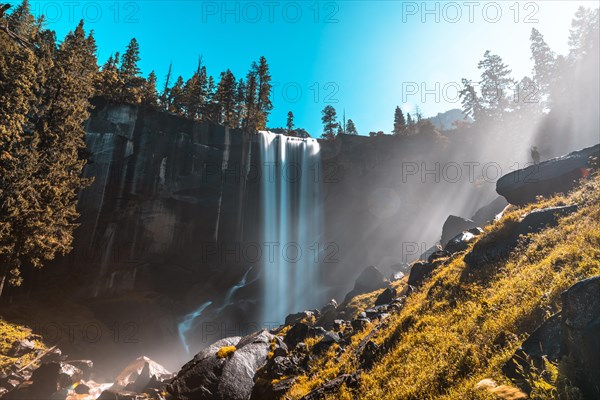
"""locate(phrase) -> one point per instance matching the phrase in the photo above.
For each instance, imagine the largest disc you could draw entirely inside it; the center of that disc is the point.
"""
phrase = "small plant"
(226, 351)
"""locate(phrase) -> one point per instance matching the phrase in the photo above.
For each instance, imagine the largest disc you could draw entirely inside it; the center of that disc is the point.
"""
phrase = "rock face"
(553, 176)
(501, 244)
(488, 213)
(209, 376)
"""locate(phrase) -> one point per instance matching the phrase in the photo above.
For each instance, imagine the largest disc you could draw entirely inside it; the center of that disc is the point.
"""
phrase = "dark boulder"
(138, 373)
(369, 354)
(267, 390)
(419, 272)
(580, 334)
(386, 297)
(328, 315)
(47, 380)
(209, 376)
(543, 342)
(328, 340)
(369, 280)
(558, 175)
(453, 226)
(486, 214)
(359, 324)
(291, 319)
(572, 333)
(297, 333)
(503, 243)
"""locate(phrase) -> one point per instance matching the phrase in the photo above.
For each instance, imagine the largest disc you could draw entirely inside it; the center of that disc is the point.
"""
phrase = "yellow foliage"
(226, 351)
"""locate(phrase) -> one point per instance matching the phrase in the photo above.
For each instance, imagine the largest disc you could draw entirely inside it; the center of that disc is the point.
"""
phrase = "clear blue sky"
(362, 56)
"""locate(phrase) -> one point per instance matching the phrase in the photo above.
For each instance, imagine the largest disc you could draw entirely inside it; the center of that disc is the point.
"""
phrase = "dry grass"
(460, 328)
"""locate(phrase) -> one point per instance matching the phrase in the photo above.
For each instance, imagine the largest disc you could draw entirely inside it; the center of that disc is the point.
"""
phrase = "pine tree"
(149, 94)
(109, 83)
(195, 95)
(471, 104)
(130, 74)
(544, 59)
(329, 122)
(495, 85)
(251, 118)
(176, 99)
(226, 98)
(410, 123)
(264, 105)
(351, 128)
(240, 103)
(290, 122)
(399, 122)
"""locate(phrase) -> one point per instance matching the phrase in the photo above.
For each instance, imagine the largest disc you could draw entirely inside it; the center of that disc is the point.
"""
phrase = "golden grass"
(462, 326)
(9, 334)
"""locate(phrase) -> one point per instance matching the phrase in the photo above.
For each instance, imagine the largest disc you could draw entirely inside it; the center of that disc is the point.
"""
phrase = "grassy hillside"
(463, 324)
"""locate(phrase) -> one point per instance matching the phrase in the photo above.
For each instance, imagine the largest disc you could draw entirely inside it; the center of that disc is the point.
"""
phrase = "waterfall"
(229, 295)
(292, 223)
(187, 323)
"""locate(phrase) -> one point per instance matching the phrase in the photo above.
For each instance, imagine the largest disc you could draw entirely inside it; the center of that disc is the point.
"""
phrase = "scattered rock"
(359, 324)
(419, 272)
(293, 318)
(137, 374)
(558, 175)
(327, 341)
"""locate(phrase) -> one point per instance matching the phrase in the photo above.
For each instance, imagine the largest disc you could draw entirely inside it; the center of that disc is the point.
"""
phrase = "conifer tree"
(225, 99)
(251, 118)
(495, 86)
(264, 105)
(330, 124)
(149, 95)
(130, 74)
(544, 63)
(177, 97)
(399, 122)
(290, 122)
(471, 103)
(240, 102)
(351, 128)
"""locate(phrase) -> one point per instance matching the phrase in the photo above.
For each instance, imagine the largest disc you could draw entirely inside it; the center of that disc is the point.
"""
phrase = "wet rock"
(558, 175)
(386, 297)
(82, 388)
(266, 390)
(453, 226)
(369, 280)
(328, 315)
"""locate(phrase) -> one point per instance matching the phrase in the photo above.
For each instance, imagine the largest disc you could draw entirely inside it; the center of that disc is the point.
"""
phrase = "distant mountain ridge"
(445, 121)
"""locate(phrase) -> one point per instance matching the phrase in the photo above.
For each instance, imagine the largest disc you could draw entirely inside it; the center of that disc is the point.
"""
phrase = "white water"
(188, 322)
(292, 223)
(229, 295)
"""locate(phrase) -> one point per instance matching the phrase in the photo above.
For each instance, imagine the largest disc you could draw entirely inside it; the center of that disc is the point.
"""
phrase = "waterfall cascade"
(292, 225)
